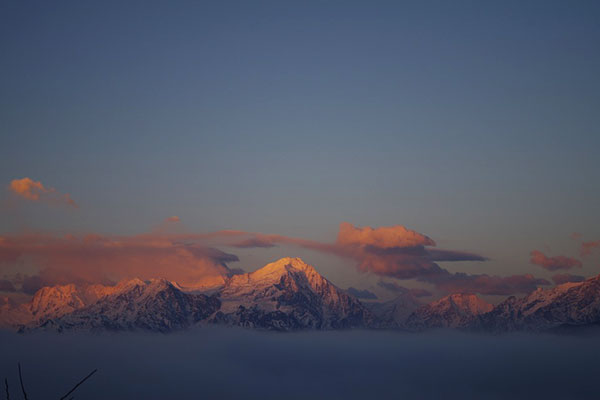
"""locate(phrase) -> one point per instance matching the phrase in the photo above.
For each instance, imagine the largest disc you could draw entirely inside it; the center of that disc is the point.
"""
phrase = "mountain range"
(290, 295)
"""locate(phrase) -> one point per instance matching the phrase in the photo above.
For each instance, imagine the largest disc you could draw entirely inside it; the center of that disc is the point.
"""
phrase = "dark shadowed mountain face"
(394, 313)
(290, 295)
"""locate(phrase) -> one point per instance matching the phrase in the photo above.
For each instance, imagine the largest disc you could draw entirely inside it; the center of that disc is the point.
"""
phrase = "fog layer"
(233, 363)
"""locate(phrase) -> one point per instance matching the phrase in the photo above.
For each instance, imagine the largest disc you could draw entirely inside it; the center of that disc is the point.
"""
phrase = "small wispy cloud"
(564, 278)
(31, 190)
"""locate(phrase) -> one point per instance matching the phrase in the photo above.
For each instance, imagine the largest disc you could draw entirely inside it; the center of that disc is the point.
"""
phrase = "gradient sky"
(475, 124)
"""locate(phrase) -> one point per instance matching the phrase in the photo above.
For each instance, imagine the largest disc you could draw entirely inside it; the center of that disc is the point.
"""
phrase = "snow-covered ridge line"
(291, 295)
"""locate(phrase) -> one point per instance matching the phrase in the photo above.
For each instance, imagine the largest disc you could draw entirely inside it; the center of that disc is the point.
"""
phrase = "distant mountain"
(453, 311)
(287, 295)
(156, 305)
(394, 313)
(291, 295)
(53, 302)
(566, 307)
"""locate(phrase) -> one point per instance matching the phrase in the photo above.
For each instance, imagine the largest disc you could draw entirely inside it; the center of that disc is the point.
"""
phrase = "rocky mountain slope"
(394, 313)
(286, 295)
(453, 311)
(156, 305)
(291, 295)
(570, 305)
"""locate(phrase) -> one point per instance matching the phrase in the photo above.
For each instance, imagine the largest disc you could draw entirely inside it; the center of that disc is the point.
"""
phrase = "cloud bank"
(553, 263)
(401, 253)
(193, 259)
(235, 364)
(96, 258)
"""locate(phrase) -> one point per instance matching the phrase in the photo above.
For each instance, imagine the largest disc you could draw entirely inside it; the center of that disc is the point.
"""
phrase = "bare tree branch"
(80, 382)
(6, 387)
(22, 385)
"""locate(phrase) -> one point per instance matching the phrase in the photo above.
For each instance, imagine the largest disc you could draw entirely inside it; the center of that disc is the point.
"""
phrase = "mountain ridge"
(289, 295)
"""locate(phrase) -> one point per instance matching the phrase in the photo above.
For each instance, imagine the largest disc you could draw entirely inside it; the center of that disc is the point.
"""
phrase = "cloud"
(587, 247)
(254, 243)
(361, 294)
(486, 284)
(553, 263)
(174, 218)
(384, 237)
(190, 258)
(401, 253)
(98, 258)
(32, 284)
(564, 278)
(395, 288)
(6, 286)
(32, 190)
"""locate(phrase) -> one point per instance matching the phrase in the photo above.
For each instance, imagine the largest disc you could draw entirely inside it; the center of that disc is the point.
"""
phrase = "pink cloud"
(564, 278)
(384, 237)
(587, 247)
(35, 191)
(98, 258)
(553, 263)
(401, 253)
(189, 258)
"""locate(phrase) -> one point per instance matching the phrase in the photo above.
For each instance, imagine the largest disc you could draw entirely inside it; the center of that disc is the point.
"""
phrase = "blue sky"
(475, 123)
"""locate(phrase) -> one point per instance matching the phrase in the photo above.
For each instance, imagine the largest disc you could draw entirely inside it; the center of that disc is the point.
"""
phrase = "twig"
(22, 386)
(6, 386)
(76, 386)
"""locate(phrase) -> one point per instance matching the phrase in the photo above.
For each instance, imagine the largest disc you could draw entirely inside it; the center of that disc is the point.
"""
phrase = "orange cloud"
(553, 263)
(28, 188)
(400, 253)
(190, 258)
(32, 190)
(385, 237)
(587, 247)
(174, 218)
(564, 278)
(97, 258)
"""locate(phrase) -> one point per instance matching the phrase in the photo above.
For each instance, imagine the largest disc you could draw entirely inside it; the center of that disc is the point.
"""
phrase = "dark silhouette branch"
(80, 382)
(22, 385)
(6, 387)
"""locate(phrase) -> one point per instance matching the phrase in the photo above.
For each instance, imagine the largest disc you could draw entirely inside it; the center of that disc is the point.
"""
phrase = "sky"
(473, 123)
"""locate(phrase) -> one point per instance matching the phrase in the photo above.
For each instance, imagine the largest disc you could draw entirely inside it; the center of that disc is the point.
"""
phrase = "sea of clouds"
(222, 363)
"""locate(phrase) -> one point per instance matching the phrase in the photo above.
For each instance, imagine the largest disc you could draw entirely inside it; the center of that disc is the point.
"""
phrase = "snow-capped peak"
(280, 267)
